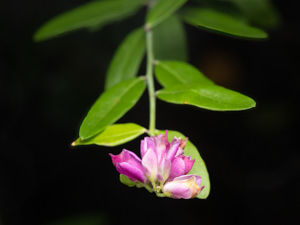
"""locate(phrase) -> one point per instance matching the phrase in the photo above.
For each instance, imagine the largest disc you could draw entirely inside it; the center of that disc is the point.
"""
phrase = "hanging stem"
(150, 81)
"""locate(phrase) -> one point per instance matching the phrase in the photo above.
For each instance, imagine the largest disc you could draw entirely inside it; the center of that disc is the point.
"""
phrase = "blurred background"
(47, 88)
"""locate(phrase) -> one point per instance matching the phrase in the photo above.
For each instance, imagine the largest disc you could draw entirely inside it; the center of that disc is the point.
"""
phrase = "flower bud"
(187, 186)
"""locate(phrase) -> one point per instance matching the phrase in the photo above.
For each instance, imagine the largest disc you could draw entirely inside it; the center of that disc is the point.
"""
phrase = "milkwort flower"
(162, 169)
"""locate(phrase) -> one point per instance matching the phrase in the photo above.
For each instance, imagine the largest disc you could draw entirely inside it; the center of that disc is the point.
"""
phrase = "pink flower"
(162, 169)
(187, 186)
(129, 164)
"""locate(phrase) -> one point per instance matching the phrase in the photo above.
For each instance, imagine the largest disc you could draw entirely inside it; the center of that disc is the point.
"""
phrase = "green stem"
(150, 81)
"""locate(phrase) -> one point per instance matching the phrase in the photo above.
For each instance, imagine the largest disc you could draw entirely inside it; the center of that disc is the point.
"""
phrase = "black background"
(46, 89)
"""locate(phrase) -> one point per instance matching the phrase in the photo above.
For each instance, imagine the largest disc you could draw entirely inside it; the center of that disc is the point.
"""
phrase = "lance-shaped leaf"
(127, 59)
(95, 13)
(111, 106)
(170, 73)
(169, 40)
(199, 167)
(206, 96)
(261, 12)
(162, 10)
(114, 135)
(213, 20)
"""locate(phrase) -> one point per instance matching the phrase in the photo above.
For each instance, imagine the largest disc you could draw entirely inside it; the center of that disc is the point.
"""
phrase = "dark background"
(46, 89)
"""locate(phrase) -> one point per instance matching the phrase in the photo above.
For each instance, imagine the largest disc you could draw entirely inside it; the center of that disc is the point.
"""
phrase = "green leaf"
(111, 106)
(212, 97)
(162, 10)
(125, 180)
(169, 40)
(213, 20)
(92, 14)
(127, 59)
(170, 73)
(261, 12)
(199, 167)
(114, 135)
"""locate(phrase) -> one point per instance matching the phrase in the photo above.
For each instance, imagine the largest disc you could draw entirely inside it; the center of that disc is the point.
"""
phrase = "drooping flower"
(163, 167)
(186, 186)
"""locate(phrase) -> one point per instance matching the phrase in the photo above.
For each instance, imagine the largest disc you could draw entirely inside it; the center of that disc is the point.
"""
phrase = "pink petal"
(164, 170)
(132, 172)
(174, 147)
(188, 163)
(129, 164)
(150, 165)
(177, 168)
(187, 186)
(160, 147)
(177, 190)
(147, 143)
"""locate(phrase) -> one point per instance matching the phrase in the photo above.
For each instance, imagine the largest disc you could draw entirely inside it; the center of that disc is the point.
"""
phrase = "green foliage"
(260, 12)
(111, 106)
(95, 13)
(216, 21)
(206, 96)
(127, 59)
(161, 11)
(165, 37)
(114, 135)
(170, 73)
(168, 34)
(199, 167)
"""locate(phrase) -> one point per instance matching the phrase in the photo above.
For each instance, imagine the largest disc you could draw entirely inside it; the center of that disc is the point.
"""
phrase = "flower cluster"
(162, 169)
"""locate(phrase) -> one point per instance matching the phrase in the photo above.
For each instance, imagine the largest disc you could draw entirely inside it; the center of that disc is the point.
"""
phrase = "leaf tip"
(74, 143)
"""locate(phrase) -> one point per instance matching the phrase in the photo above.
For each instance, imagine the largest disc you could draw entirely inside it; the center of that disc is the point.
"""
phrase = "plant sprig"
(163, 39)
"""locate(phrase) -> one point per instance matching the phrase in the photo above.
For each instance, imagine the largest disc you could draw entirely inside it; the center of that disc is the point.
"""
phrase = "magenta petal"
(188, 163)
(174, 147)
(150, 164)
(129, 164)
(187, 186)
(160, 148)
(177, 168)
(146, 144)
(177, 190)
(126, 156)
(132, 172)
(167, 143)
(164, 170)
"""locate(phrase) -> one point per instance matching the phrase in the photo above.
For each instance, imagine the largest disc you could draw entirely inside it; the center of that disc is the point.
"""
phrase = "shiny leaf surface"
(127, 59)
(212, 97)
(111, 106)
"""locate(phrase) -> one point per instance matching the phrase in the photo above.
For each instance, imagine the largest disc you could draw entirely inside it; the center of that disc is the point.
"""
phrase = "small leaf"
(213, 20)
(111, 106)
(261, 12)
(212, 97)
(161, 11)
(170, 73)
(125, 180)
(169, 40)
(114, 135)
(127, 59)
(92, 14)
(199, 167)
